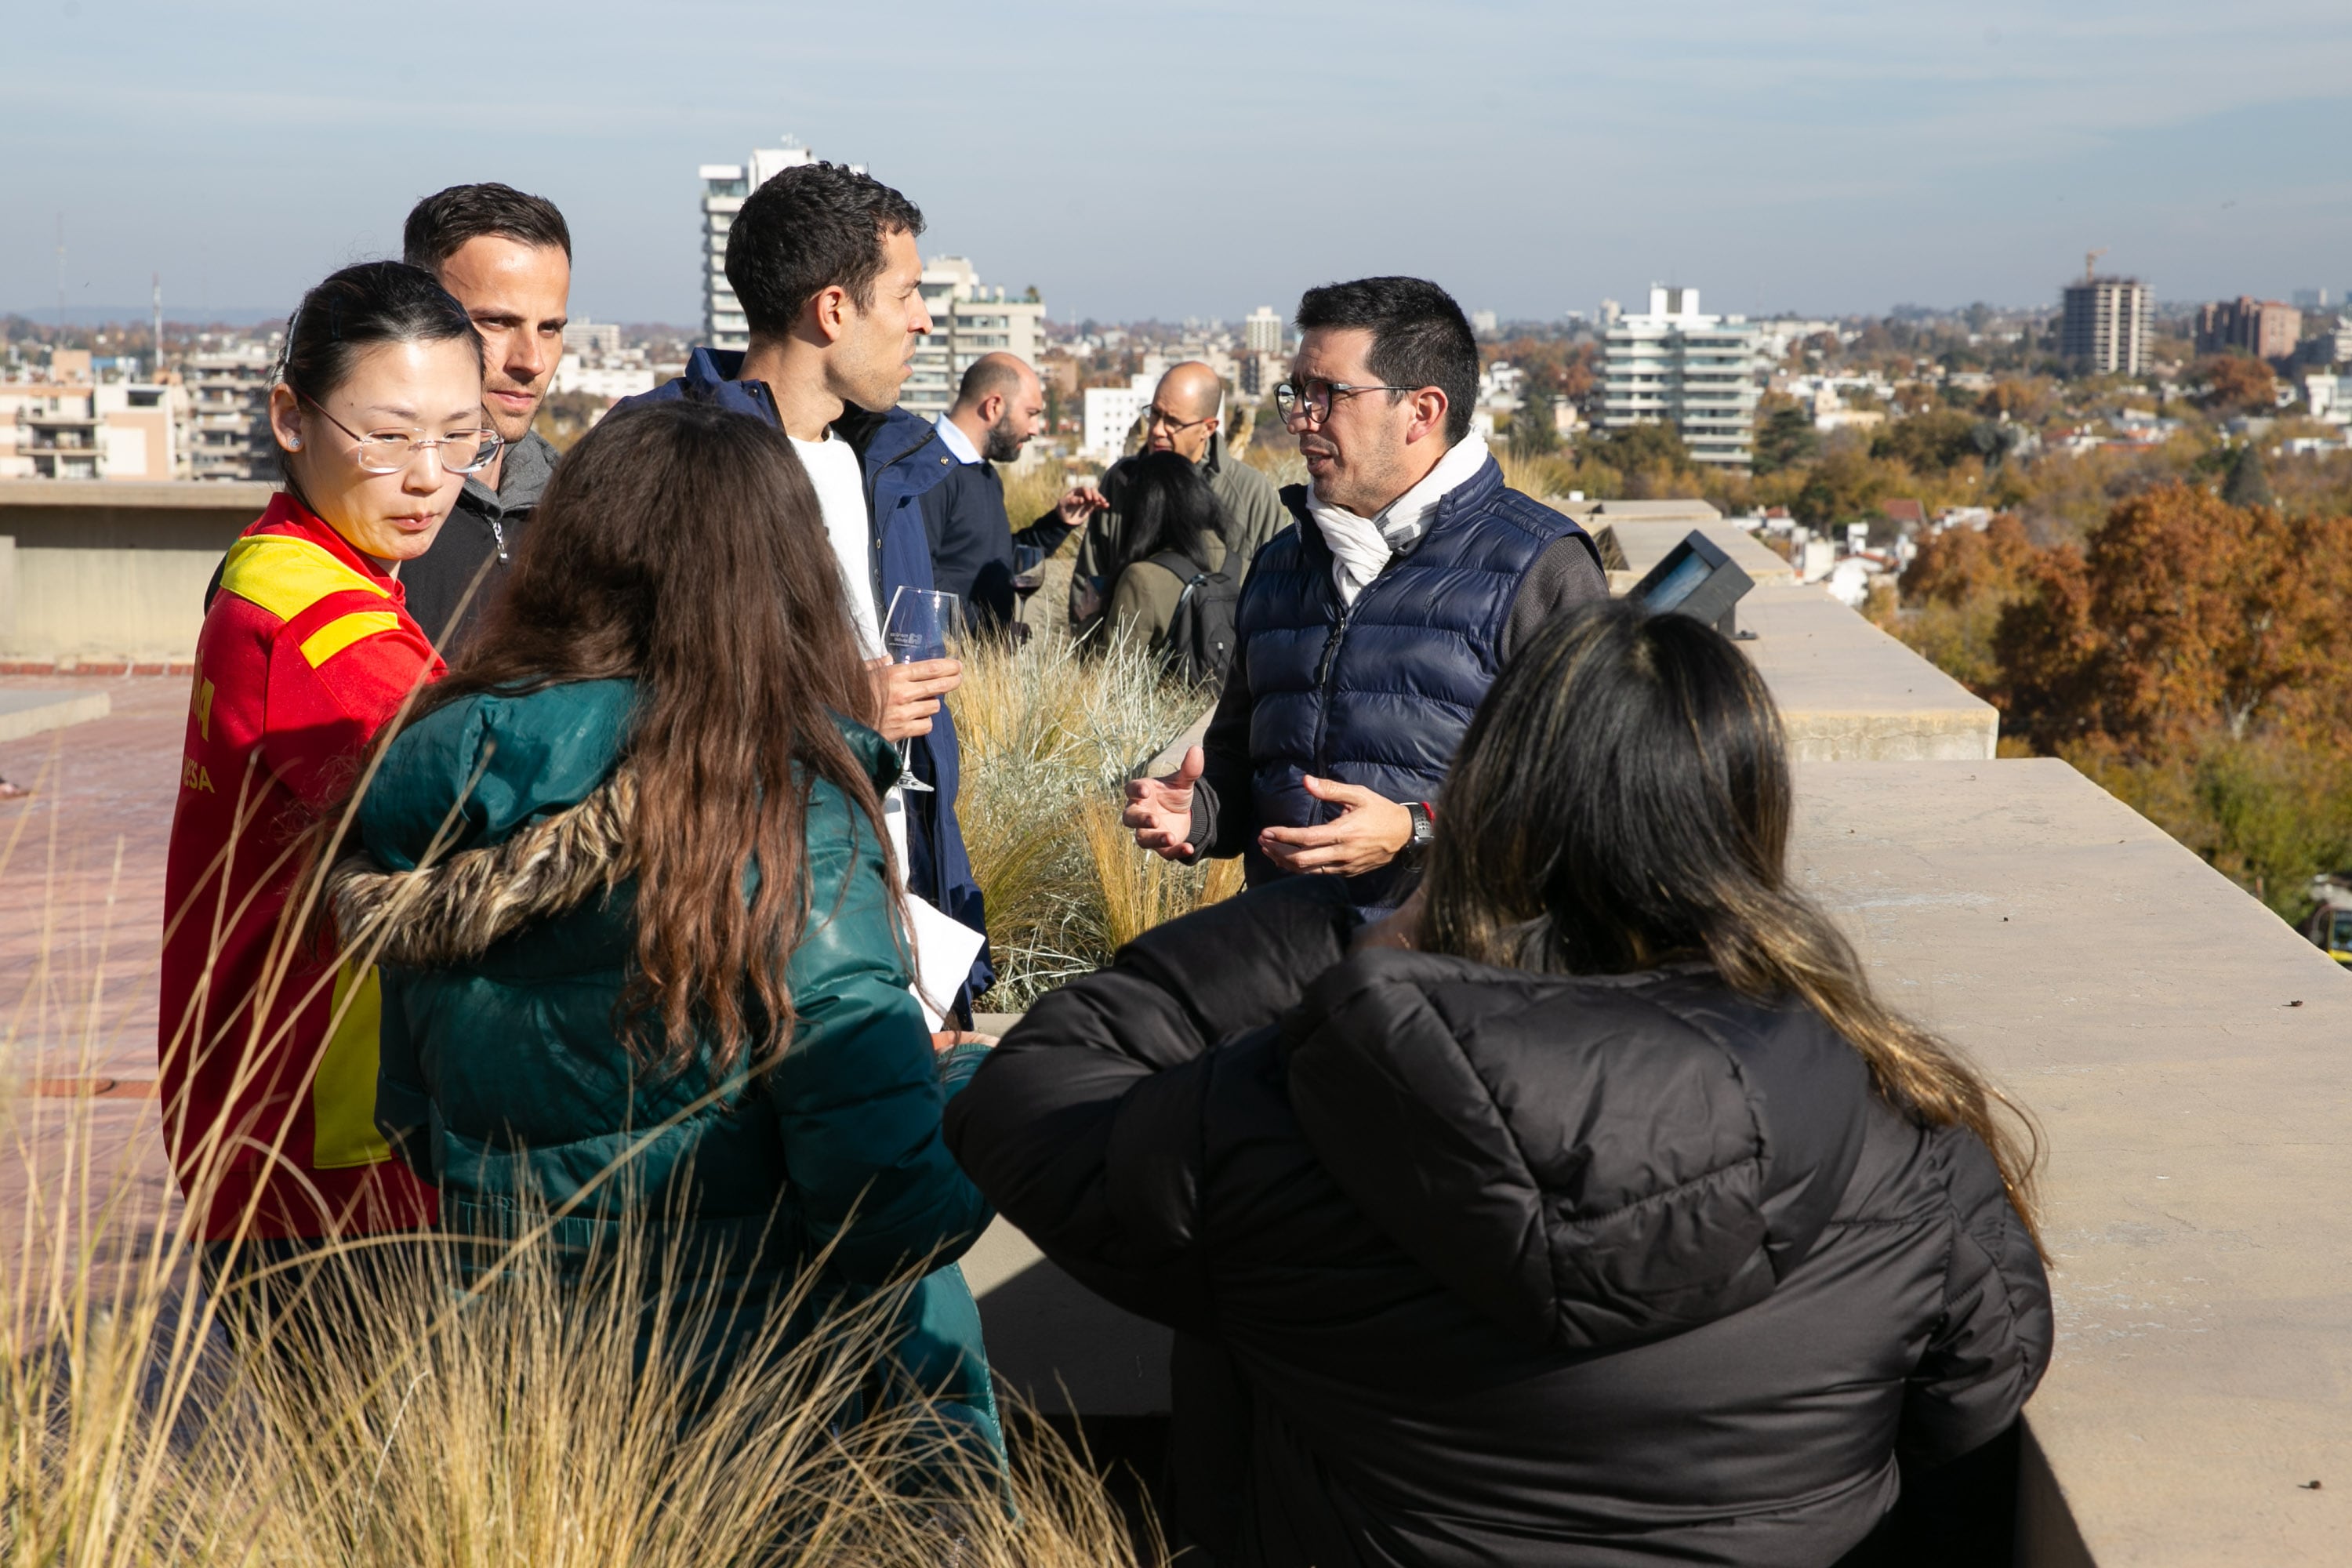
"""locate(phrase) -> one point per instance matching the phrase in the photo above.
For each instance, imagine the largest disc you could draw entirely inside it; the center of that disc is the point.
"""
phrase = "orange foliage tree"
(2180, 615)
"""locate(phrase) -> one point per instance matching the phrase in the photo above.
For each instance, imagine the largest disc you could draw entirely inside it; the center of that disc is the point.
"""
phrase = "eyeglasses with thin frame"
(1155, 414)
(1313, 402)
(390, 451)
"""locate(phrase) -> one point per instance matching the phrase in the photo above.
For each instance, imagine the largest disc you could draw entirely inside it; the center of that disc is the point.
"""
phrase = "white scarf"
(1361, 546)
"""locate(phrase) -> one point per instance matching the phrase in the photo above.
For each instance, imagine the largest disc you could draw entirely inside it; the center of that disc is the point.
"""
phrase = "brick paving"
(81, 924)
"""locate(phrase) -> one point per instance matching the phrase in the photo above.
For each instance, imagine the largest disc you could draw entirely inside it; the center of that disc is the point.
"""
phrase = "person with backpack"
(1172, 593)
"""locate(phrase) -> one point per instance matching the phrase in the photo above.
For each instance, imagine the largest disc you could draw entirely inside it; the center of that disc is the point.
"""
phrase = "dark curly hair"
(814, 226)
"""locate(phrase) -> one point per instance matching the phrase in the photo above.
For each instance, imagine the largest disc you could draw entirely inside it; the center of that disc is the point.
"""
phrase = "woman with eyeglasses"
(267, 1036)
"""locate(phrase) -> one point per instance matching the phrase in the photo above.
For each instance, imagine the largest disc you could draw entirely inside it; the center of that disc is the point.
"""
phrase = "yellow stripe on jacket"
(287, 576)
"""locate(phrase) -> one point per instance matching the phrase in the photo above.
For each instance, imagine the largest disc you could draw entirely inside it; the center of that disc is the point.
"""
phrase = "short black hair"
(439, 226)
(1419, 337)
(358, 308)
(812, 227)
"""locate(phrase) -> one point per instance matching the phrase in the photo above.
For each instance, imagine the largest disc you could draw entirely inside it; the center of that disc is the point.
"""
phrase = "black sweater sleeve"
(1566, 575)
(1224, 812)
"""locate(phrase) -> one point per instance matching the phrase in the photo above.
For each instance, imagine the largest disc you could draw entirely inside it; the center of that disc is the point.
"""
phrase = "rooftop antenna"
(61, 271)
(156, 373)
(2091, 264)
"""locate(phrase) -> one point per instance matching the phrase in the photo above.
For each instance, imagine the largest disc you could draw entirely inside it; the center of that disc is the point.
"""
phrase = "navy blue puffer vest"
(1380, 693)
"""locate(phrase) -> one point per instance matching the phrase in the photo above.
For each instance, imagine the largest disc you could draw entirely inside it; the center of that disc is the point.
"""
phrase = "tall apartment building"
(2263, 328)
(2103, 325)
(1698, 372)
(724, 186)
(227, 413)
(1262, 331)
(967, 321)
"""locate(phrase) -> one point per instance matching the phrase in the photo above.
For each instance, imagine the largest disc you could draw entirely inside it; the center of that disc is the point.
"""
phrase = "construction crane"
(2091, 264)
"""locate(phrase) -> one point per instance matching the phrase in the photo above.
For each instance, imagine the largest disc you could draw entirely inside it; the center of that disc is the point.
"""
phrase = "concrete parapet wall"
(1848, 692)
(94, 570)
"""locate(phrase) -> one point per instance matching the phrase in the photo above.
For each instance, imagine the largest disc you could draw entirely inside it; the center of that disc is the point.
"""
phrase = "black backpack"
(1201, 635)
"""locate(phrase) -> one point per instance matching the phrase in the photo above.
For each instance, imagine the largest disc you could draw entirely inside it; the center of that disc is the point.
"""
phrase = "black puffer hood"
(1589, 1162)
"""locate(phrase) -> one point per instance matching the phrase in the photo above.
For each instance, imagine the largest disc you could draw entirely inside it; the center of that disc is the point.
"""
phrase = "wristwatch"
(1425, 822)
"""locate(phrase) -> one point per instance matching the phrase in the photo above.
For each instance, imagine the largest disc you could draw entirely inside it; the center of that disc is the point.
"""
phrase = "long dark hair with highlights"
(681, 545)
(1621, 801)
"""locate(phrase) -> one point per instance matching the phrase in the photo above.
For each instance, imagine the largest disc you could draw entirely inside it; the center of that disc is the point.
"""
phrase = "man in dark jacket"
(823, 261)
(1000, 407)
(1370, 630)
(507, 257)
(1483, 1266)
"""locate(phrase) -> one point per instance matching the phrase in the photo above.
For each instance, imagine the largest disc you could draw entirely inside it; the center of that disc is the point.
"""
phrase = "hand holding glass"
(921, 622)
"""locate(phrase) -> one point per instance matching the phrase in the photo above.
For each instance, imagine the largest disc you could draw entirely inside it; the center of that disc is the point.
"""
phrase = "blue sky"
(1203, 158)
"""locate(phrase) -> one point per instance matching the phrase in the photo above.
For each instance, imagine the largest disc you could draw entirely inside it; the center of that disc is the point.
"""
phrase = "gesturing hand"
(1078, 503)
(1161, 810)
(910, 693)
(1369, 832)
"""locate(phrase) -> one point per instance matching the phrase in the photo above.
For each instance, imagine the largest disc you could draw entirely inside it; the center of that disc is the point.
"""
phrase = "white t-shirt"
(833, 470)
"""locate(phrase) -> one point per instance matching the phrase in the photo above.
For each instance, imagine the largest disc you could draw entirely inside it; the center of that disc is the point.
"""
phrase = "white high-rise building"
(724, 186)
(967, 321)
(1262, 331)
(1700, 373)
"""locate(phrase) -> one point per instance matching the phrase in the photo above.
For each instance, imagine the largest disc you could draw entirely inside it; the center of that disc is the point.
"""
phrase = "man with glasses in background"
(1370, 632)
(507, 257)
(1183, 416)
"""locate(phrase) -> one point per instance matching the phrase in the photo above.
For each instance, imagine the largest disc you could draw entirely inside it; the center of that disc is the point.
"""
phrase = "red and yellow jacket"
(266, 1045)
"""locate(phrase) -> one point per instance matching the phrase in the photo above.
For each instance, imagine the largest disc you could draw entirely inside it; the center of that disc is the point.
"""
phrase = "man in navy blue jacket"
(1370, 629)
(823, 262)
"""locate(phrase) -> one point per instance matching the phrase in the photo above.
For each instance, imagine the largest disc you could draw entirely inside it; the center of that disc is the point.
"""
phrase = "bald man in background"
(1000, 407)
(1184, 416)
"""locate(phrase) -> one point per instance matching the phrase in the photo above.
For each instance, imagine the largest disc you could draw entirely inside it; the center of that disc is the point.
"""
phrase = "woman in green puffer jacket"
(643, 959)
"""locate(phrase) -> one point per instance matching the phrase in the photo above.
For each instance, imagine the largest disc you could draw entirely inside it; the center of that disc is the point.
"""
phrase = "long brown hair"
(682, 545)
(1622, 801)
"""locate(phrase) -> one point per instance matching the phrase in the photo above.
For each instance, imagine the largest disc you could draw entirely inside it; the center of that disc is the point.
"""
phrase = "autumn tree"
(2182, 614)
(1928, 442)
(2235, 383)
(1955, 592)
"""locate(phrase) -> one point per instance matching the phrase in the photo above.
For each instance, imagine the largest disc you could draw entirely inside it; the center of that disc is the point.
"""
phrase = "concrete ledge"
(2190, 1058)
(24, 713)
(1848, 692)
(241, 495)
(1645, 545)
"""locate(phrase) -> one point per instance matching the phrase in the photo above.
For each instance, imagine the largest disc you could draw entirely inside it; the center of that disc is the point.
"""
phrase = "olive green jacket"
(505, 1079)
(1252, 508)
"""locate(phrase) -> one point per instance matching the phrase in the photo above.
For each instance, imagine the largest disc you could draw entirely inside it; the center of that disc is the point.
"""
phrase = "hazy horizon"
(1827, 159)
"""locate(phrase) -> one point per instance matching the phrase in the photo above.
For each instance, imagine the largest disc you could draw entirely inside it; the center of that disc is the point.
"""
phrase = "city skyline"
(1819, 159)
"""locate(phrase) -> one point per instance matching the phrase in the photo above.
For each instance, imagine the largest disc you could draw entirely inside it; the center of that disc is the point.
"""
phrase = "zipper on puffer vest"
(1329, 667)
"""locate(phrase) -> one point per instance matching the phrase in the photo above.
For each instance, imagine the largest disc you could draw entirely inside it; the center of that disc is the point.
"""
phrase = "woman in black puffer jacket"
(1590, 1211)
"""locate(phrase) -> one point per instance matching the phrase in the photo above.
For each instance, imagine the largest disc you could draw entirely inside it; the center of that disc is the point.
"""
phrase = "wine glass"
(1028, 574)
(921, 622)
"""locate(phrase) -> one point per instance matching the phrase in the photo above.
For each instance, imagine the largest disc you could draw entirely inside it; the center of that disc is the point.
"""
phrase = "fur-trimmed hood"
(451, 910)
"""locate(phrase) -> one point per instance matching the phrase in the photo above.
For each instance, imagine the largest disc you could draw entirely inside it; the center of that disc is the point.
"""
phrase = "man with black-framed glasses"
(1184, 416)
(1369, 633)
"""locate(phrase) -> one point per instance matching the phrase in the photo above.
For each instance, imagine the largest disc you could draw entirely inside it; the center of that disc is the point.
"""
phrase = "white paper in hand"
(944, 951)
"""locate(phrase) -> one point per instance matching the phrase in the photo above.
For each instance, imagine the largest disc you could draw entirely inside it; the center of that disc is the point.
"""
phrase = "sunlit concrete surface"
(107, 571)
(2190, 1058)
(24, 713)
(1848, 692)
(1645, 543)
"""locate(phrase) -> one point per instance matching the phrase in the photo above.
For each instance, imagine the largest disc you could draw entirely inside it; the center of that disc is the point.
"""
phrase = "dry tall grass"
(1049, 735)
(500, 1415)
